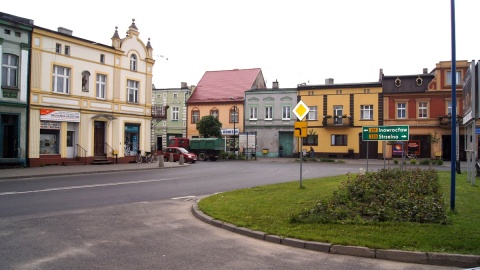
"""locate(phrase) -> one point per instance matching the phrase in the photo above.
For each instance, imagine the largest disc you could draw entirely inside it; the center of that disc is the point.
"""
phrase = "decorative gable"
(253, 99)
(268, 99)
(286, 98)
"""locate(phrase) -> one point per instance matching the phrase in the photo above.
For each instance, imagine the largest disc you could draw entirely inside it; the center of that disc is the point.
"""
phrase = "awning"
(109, 117)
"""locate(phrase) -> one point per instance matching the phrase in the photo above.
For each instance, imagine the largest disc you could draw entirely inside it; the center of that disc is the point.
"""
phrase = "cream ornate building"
(89, 101)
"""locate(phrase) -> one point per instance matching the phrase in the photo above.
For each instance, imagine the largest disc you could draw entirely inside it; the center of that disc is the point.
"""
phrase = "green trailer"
(207, 148)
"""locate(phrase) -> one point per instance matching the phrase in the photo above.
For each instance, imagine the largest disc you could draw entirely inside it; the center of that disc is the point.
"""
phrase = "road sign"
(301, 110)
(300, 129)
(385, 133)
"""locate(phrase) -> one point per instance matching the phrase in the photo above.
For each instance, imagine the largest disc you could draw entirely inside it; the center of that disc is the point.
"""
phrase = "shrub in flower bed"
(389, 195)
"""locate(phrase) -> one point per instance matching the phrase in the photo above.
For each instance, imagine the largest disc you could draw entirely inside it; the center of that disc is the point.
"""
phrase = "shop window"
(132, 137)
(49, 141)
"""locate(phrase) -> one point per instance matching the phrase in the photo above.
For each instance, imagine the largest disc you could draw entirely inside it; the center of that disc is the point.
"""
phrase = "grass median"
(270, 208)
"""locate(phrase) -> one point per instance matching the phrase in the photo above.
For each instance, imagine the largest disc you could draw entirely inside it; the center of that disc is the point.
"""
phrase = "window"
(175, 113)
(175, 95)
(339, 140)
(422, 110)
(132, 90)
(18, 34)
(7, 32)
(195, 115)
(366, 112)
(337, 115)
(268, 113)
(61, 80)
(310, 140)
(102, 58)
(253, 113)
(312, 114)
(67, 50)
(449, 107)
(9, 70)
(234, 114)
(133, 62)
(401, 110)
(58, 48)
(458, 78)
(101, 85)
(285, 112)
(214, 113)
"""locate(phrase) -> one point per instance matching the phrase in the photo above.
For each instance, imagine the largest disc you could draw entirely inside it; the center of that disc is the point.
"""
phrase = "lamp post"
(234, 130)
(234, 118)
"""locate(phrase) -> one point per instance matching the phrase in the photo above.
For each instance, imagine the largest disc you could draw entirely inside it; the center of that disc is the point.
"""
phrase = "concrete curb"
(426, 258)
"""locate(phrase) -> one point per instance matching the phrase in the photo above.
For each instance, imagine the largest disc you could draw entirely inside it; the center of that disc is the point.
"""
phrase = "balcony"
(159, 112)
(342, 121)
(446, 121)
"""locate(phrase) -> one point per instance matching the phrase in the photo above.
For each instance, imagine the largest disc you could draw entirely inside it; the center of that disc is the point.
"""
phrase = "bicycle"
(148, 158)
(411, 155)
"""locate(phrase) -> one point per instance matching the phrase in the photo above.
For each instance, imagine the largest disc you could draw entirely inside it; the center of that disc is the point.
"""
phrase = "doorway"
(372, 147)
(285, 147)
(99, 139)
(159, 143)
(9, 134)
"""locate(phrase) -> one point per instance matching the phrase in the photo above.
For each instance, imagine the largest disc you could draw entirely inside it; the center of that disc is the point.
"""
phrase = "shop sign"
(61, 116)
(49, 125)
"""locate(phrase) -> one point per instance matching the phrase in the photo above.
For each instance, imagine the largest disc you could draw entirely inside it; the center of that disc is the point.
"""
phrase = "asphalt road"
(142, 220)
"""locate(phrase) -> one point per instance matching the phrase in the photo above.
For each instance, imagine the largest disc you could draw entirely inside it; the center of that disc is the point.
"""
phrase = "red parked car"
(177, 152)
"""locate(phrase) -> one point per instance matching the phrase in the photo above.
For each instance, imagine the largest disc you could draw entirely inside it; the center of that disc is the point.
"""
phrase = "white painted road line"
(85, 186)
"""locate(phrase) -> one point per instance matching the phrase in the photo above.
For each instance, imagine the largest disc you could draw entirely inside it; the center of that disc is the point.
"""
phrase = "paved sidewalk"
(13, 173)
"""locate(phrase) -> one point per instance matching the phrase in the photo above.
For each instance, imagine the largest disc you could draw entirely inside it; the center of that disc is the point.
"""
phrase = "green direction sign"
(385, 133)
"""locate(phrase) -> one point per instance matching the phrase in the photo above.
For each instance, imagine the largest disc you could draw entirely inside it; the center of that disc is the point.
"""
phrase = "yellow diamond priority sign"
(301, 110)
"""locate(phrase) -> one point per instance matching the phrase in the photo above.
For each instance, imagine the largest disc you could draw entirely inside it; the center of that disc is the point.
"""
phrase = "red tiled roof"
(220, 86)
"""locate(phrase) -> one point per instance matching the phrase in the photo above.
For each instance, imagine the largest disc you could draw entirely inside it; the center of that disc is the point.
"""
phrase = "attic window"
(419, 81)
(398, 82)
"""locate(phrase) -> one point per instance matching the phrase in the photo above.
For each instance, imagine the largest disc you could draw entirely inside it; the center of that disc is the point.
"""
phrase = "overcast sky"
(294, 41)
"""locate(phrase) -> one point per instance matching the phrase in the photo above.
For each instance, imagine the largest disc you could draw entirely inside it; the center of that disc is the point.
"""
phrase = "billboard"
(469, 94)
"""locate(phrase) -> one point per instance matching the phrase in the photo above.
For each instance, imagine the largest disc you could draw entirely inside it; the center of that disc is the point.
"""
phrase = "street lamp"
(234, 121)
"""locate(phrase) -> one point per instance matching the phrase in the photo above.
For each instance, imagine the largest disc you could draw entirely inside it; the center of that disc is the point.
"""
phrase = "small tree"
(209, 126)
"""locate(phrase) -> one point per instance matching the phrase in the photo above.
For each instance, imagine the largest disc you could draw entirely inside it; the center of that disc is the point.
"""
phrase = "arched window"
(234, 114)
(133, 62)
(195, 115)
(214, 112)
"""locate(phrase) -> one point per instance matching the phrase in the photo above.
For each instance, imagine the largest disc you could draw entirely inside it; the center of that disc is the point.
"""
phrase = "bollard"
(171, 158)
(181, 160)
(161, 161)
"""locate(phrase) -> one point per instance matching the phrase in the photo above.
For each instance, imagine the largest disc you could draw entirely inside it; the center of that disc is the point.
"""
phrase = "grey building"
(15, 38)
(174, 122)
(269, 114)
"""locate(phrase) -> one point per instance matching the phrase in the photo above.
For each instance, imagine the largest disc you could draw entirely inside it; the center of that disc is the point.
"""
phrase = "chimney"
(425, 70)
(184, 85)
(65, 31)
(380, 75)
(329, 81)
(275, 84)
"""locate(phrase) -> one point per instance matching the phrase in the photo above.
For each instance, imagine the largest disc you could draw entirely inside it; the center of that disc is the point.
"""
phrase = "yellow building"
(337, 114)
(89, 101)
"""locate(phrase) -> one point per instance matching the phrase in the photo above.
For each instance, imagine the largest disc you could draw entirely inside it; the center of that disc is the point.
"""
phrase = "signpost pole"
(301, 159)
(368, 143)
(301, 110)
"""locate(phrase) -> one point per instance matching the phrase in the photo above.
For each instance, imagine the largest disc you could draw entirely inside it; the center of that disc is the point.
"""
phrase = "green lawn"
(269, 208)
